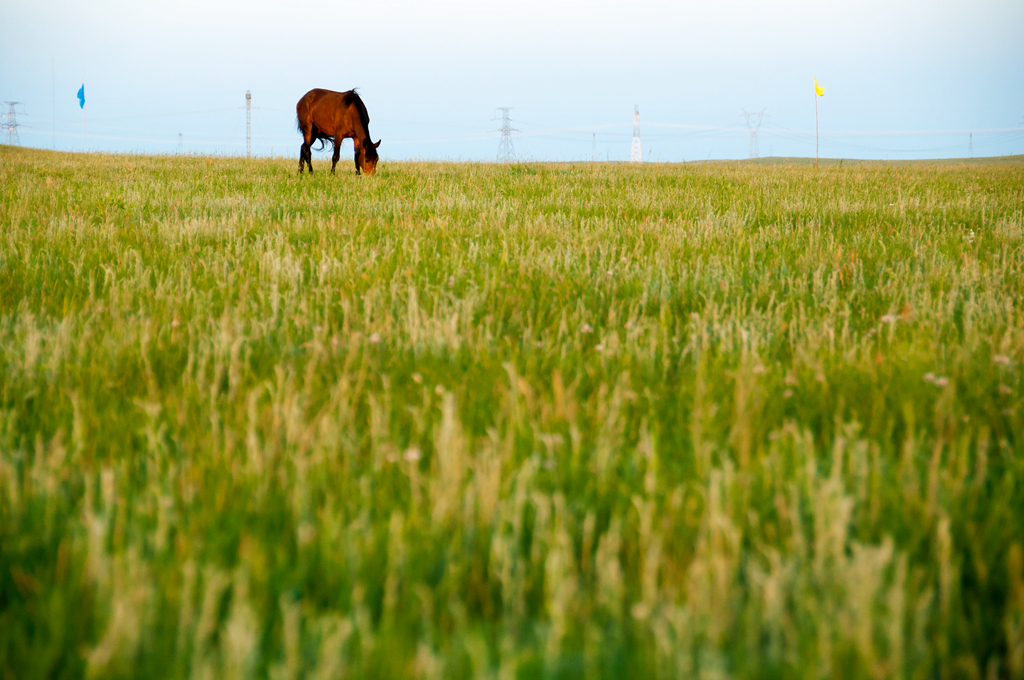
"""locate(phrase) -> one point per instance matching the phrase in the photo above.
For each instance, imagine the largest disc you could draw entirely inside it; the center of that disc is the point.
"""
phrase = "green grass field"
(481, 421)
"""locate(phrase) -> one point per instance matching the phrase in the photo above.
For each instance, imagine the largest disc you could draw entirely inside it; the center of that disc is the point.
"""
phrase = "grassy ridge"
(466, 420)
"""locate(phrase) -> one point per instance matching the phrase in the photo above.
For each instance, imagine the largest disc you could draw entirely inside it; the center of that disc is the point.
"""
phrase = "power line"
(154, 115)
(635, 155)
(613, 134)
(506, 154)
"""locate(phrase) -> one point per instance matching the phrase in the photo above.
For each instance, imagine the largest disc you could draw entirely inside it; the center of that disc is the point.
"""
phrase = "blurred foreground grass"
(456, 420)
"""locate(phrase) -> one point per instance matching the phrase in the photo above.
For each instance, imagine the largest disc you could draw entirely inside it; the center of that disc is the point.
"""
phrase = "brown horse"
(332, 117)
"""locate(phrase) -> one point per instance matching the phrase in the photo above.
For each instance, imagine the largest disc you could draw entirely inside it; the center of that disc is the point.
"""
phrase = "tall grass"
(457, 420)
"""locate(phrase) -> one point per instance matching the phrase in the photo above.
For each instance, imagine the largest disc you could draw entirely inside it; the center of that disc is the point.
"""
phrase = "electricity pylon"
(506, 154)
(754, 122)
(11, 124)
(635, 155)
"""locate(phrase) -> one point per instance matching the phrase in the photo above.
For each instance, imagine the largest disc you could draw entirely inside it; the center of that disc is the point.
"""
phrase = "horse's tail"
(323, 140)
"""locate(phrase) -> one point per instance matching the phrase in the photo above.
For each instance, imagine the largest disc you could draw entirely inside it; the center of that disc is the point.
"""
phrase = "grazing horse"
(332, 117)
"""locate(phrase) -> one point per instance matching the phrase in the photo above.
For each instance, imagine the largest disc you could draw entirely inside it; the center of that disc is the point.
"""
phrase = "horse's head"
(367, 160)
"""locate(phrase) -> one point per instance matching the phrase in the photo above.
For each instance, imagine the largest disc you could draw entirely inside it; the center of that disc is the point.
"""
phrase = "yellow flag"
(818, 89)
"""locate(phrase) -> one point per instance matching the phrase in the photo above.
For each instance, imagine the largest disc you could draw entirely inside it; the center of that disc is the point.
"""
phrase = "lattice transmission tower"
(506, 154)
(593, 150)
(11, 124)
(754, 123)
(635, 155)
(248, 125)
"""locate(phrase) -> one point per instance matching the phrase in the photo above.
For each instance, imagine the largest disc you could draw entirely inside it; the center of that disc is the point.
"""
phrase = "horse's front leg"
(337, 153)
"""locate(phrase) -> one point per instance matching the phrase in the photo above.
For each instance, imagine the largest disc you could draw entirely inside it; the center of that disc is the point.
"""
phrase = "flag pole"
(818, 92)
(85, 120)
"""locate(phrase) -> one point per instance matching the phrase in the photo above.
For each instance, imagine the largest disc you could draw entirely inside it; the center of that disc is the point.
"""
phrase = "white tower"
(635, 156)
(248, 127)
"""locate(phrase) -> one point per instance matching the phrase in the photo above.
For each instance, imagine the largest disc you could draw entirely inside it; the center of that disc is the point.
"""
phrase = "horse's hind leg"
(303, 148)
(305, 151)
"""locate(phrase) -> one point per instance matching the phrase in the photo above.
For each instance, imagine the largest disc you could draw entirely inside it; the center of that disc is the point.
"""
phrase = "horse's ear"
(377, 144)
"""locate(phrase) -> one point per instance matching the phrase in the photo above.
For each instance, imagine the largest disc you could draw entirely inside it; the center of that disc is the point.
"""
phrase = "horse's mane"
(352, 98)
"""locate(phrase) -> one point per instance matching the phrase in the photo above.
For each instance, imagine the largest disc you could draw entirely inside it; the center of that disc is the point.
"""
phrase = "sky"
(903, 79)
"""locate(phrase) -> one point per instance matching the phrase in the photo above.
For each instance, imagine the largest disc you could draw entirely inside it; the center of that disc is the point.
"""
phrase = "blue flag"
(81, 96)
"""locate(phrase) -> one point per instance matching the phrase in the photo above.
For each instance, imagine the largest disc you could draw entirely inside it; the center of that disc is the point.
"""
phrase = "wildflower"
(417, 378)
(1001, 359)
(641, 610)
(374, 338)
(787, 394)
(306, 533)
(889, 318)
(412, 454)
(941, 381)
(929, 377)
(586, 328)
(335, 341)
(599, 347)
